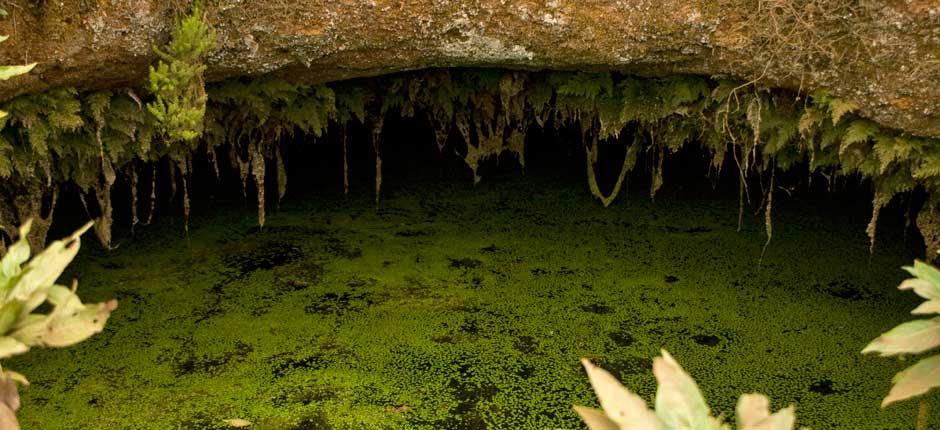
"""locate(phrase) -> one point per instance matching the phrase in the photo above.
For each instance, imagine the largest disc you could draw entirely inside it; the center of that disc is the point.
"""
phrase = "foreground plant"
(914, 337)
(23, 288)
(679, 404)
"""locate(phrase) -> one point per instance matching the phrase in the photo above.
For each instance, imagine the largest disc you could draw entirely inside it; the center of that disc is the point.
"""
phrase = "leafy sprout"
(679, 404)
(914, 337)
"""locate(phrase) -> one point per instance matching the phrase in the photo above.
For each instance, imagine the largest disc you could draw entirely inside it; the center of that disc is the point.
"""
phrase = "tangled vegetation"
(679, 404)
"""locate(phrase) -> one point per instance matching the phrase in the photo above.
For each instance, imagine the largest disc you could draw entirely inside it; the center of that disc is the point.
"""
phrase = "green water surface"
(456, 308)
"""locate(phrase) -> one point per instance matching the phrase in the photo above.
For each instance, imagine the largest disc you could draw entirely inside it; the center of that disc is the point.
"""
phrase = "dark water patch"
(203, 421)
(263, 256)
(622, 338)
(284, 364)
(307, 273)
(627, 366)
(492, 249)
(706, 339)
(670, 279)
(525, 371)
(470, 394)
(538, 271)
(845, 290)
(414, 233)
(824, 387)
(470, 326)
(213, 307)
(597, 308)
(565, 271)
(339, 248)
(314, 421)
(698, 229)
(112, 264)
(339, 304)
(446, 339)
(464, 263)
(190, 363)
(289, 231)
(526, 344)
(303, 395)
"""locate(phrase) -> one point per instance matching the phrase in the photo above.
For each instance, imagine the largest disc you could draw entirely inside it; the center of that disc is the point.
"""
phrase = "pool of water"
(456, 308)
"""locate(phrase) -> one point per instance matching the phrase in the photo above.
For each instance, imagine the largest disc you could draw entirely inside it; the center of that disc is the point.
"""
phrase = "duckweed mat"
(455, 308)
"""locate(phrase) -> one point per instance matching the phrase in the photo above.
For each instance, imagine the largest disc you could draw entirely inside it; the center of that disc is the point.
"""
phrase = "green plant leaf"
(679, 403)
(16, 255)
(840, 108)
(7, 72)
(596, 419)
(10, 347)
(911, 337)
(915, 380)
(928, 307)
(622, 406)
(42, 271)
(69, 323)
(753, 413)
(927, 281)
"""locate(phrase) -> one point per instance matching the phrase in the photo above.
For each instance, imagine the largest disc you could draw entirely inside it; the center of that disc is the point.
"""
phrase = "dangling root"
(186, 204)
(281, 175)
(213, 160)
(768, 222)
(132, 183)
(257, 171)
(153, 195)
(628, 162)
(740, 204)
(878, 202)
(928, 222)
(376, 140)
(345, 161)
(657, 173)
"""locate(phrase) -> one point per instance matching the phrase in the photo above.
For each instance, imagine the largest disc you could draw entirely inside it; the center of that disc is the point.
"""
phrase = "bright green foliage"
(914, 337)
(177, 81)
(24, 286)
(273, 107)
(679, 404)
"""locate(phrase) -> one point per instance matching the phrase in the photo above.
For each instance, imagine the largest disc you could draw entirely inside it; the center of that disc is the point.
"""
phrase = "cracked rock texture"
(883, 54)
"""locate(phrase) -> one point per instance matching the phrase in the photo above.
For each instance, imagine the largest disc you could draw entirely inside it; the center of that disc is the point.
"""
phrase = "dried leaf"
(911, 337)
(915, 380)
(237, 422)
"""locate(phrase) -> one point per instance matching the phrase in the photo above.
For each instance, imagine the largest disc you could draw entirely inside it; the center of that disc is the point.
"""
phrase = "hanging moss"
(63, 137)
